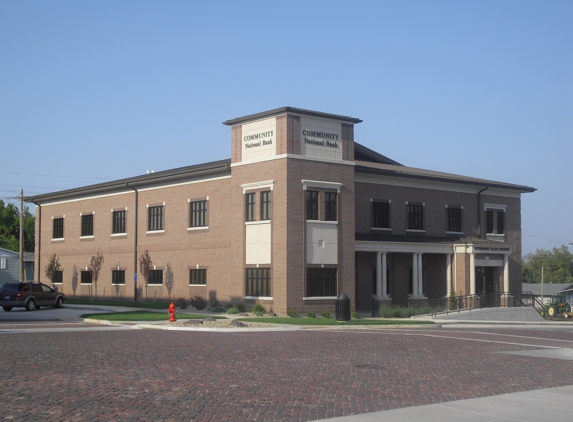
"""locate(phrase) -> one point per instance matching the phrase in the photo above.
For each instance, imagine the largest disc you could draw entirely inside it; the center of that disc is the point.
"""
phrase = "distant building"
(299, 214)
(10, 266)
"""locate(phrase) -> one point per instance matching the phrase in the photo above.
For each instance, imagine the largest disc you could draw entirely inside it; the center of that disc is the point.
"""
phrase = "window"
(311, 205)
(118, 222)
(87, 225)
(330, 206)
(2, 263)
(266, 205)
(250, 207)
(118, 277)
(86, 277)
(198, 214)
(415, 217)
(58, 232)
(500, 222)
(320, 282)
(197, 276)
(495, 222)
(155, 218)
(381, 215)
(454, 219)
(258, 282)
(156, 277)
(58, 277)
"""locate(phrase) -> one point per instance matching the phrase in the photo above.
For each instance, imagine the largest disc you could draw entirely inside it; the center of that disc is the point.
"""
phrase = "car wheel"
(59, 302)
(31, 305)
(7, 308)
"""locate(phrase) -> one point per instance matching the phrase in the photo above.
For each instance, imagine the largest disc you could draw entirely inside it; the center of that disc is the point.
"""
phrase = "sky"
(92, 91)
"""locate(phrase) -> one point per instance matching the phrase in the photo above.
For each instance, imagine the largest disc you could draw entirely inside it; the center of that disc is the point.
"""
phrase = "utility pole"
(21, 197)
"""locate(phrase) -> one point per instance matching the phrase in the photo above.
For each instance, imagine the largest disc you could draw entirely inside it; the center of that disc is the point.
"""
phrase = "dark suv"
(30, 296)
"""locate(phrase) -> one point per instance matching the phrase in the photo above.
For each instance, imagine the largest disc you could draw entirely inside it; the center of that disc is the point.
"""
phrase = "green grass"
(126, 303)
(332, 321)
(143, 316)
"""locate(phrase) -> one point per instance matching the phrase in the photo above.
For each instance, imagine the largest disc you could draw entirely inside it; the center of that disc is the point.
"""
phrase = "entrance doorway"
(484, 280)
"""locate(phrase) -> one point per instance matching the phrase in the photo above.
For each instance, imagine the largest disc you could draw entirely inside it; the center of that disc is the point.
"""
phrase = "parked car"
(29, 295)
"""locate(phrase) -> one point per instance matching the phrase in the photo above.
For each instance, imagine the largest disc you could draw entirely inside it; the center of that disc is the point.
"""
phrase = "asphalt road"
(106, 373)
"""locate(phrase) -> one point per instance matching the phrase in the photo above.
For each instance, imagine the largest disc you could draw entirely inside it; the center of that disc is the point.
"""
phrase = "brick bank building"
(300, 213)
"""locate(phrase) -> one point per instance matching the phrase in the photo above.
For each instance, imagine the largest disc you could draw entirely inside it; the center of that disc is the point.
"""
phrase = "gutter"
(134, 243)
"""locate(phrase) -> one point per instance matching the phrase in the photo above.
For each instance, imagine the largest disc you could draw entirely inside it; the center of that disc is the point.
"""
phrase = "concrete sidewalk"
(527, 406)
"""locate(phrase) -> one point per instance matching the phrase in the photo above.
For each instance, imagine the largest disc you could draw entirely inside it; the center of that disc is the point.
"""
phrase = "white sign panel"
(259, 140)
(321, 138)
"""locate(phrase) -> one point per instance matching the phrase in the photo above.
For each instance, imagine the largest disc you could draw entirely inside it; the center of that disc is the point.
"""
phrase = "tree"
(10, 228)
(145, 267)
(95, 267)
(52, 267)
(557, 266)
(169, 279)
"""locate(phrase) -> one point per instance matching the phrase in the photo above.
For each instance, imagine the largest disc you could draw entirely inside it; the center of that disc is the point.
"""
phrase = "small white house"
(10, 266)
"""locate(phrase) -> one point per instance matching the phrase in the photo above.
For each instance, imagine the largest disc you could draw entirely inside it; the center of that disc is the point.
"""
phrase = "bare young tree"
(95, 267)
(145, 267)
(169, 279)
(75, 278)
(52, 267)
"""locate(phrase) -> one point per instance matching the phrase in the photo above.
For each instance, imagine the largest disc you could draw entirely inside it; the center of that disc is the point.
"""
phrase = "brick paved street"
(149, 375)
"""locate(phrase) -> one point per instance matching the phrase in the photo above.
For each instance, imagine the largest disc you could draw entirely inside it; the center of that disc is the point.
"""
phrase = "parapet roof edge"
(140, 181)
(283, 110)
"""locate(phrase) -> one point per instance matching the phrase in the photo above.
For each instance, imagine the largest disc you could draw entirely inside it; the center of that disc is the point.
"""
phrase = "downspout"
(135, 243)
(479, 209)
(39, 236)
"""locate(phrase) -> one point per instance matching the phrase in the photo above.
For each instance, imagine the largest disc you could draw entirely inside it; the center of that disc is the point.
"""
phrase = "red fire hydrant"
(171, 310)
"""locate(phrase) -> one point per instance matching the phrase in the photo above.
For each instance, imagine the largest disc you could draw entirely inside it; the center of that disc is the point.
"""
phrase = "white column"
(415, 275)
(420, 277)
(378, 275)
(472, 274)
(506, 273)
(449, 274)
(384, 276)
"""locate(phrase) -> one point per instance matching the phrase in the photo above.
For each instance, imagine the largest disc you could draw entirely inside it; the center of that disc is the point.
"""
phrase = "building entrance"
(484, 280)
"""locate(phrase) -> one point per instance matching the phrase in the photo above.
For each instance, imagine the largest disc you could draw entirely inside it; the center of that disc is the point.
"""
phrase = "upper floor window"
(454, 219)
(198, 214)
(250, 206)
(415, 217)
(381, 215)
(311, 205)
(58, 228)
(155, 221)
(495, 222)
(330, 206)
(266, 205)
(87, 225)
(118, 222)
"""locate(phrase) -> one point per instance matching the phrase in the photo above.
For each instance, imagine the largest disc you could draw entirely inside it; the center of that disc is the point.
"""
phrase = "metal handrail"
(450, 304)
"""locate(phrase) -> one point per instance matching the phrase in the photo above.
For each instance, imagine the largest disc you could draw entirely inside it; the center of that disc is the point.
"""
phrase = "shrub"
(291, 313)
(229, 305)
(198, 302)
(325, 314)
(258, 313)
(411, 311)
(241, 307)
(181, 303)
(257, 307)
(310, 315)
(232, 311)
(386, 312)
(218, 309)
(213, 301)
(400, 312)
(355, 315)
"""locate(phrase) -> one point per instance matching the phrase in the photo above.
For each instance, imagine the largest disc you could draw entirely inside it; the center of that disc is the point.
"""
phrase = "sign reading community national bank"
(321, 138)
(259, 140)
